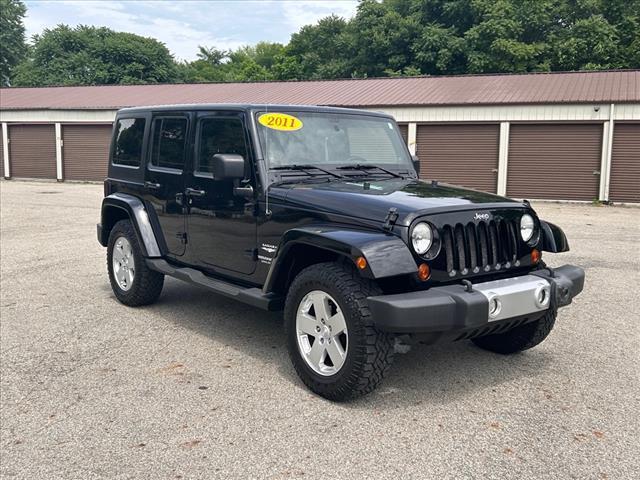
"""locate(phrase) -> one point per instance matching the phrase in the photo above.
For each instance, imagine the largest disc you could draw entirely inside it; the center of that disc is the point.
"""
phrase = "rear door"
(164, 183)
(222, 226)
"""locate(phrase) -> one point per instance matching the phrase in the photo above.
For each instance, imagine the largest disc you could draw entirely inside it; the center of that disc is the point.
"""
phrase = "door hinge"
(390, 219)
(182, 236)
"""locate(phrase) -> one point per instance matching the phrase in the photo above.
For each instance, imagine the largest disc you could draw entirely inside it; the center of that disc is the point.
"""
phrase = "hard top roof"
(250, 107)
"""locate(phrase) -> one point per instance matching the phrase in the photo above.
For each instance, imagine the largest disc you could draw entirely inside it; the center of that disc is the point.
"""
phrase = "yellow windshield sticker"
(280, 121)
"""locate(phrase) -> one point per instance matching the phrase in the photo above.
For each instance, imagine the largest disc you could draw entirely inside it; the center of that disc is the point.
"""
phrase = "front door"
(221, 226)
(164, 183)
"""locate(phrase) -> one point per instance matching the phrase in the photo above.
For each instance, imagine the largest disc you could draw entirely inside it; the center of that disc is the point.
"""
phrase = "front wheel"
(520, 338)
(332, 342)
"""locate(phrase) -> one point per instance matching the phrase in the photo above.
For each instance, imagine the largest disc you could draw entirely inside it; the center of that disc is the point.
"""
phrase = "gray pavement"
(198, 386)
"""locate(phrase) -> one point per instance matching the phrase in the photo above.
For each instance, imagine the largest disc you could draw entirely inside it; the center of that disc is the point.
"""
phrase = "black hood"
(372, 200)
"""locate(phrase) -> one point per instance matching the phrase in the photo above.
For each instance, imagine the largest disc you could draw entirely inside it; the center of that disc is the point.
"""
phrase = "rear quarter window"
(129, 136)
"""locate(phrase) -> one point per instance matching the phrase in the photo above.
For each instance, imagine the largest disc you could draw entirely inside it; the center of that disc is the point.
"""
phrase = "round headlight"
(526, 227)
(421, 238)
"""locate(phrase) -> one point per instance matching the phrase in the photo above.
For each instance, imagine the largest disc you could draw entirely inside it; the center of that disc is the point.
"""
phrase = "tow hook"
(468, 286)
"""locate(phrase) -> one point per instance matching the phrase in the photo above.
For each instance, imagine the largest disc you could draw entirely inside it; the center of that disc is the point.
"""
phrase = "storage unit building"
(563, 136)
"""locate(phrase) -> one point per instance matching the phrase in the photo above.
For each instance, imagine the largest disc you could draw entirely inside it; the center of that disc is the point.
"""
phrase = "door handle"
(152, 185)
(192, 192)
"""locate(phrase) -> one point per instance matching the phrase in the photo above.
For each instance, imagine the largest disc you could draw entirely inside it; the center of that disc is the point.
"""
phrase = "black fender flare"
(553, 238)
(135, 209)
(386, 255)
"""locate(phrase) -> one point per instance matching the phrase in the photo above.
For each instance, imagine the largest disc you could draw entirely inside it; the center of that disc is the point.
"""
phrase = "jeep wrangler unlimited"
(319, 212)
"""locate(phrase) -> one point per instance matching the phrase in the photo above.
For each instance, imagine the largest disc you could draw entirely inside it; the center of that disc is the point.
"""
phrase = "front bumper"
(453, 308)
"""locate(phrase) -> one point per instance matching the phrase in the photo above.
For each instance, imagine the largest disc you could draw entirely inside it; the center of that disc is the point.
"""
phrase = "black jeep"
(319, 211)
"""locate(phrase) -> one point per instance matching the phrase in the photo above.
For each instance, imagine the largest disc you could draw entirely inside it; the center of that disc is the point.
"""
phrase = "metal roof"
(538, 88)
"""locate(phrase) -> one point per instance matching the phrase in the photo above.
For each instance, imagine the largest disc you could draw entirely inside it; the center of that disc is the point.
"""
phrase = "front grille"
(480, 247)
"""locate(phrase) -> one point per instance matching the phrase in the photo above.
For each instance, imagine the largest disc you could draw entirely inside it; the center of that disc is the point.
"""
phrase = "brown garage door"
(85, 151)
(464, 155)
(1, 158)
(32, 150)
(554, 161)
(404, 131)
(625, 163)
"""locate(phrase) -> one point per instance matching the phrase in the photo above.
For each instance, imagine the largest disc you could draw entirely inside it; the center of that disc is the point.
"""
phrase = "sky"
(183, 25)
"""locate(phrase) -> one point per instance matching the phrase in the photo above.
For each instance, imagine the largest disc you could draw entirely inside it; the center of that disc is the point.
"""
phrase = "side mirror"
(227, 166)
(416, 163)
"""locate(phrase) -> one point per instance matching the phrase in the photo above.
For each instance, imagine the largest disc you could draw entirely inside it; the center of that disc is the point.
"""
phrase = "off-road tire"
(147, 284)
(370, 351)
(520, 338)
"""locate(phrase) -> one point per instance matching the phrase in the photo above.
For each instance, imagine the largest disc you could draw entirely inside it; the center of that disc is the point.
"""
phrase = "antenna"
(267, 210)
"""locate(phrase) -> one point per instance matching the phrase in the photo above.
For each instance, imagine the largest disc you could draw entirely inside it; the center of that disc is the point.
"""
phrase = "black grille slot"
(448, 247)
(473, 246)
(493, 243)
(460, 248)
(478, 247)
(513, 242)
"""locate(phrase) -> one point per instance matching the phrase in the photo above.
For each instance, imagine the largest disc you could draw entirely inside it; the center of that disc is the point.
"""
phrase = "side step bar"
(249, 295)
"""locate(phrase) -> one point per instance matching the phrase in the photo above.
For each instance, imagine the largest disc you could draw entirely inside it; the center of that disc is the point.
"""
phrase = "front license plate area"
(514, 297)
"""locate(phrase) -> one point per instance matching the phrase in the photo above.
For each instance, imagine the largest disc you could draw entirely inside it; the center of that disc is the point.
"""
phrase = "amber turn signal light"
(424, 272)
(535, 256)
(361, 263)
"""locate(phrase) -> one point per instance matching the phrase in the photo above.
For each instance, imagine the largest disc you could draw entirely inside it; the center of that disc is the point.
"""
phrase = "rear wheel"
(520, 338)
(334, 347)
(132, 281)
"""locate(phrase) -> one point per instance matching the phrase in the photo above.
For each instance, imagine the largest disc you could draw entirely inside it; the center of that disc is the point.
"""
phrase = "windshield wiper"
(367, 167)
(304, 168)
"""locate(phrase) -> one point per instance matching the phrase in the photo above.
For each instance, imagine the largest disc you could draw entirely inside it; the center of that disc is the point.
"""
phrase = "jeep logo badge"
(481, 216)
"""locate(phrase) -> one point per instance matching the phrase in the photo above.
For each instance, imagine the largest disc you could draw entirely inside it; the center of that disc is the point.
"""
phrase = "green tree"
(384, 38)
(212, 55)
(13, 48)
(264, 54)
(322, 50)
(94, 56)
(248, 63)
(409, 37)
(380, 38)
(499, 40)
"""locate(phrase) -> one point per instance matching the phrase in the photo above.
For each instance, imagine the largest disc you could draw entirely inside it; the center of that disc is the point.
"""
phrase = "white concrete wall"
(513, 113)
(57, 116)
(498, 113)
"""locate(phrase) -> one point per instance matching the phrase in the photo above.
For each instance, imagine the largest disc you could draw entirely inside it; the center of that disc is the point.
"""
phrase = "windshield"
(310, 138)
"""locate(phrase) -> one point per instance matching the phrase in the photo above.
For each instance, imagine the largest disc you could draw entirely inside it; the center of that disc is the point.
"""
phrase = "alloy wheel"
(322, 334)
(123, 263)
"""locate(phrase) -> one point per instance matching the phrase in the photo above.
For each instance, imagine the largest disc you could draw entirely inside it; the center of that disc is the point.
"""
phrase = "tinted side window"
(219, 135)
(168, 142)
(128, 144)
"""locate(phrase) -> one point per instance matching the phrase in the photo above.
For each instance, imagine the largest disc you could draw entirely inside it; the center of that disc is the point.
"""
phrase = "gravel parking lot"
(198, 386)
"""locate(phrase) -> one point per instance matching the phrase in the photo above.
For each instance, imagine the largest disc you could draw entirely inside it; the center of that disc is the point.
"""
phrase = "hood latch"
(390, 219)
